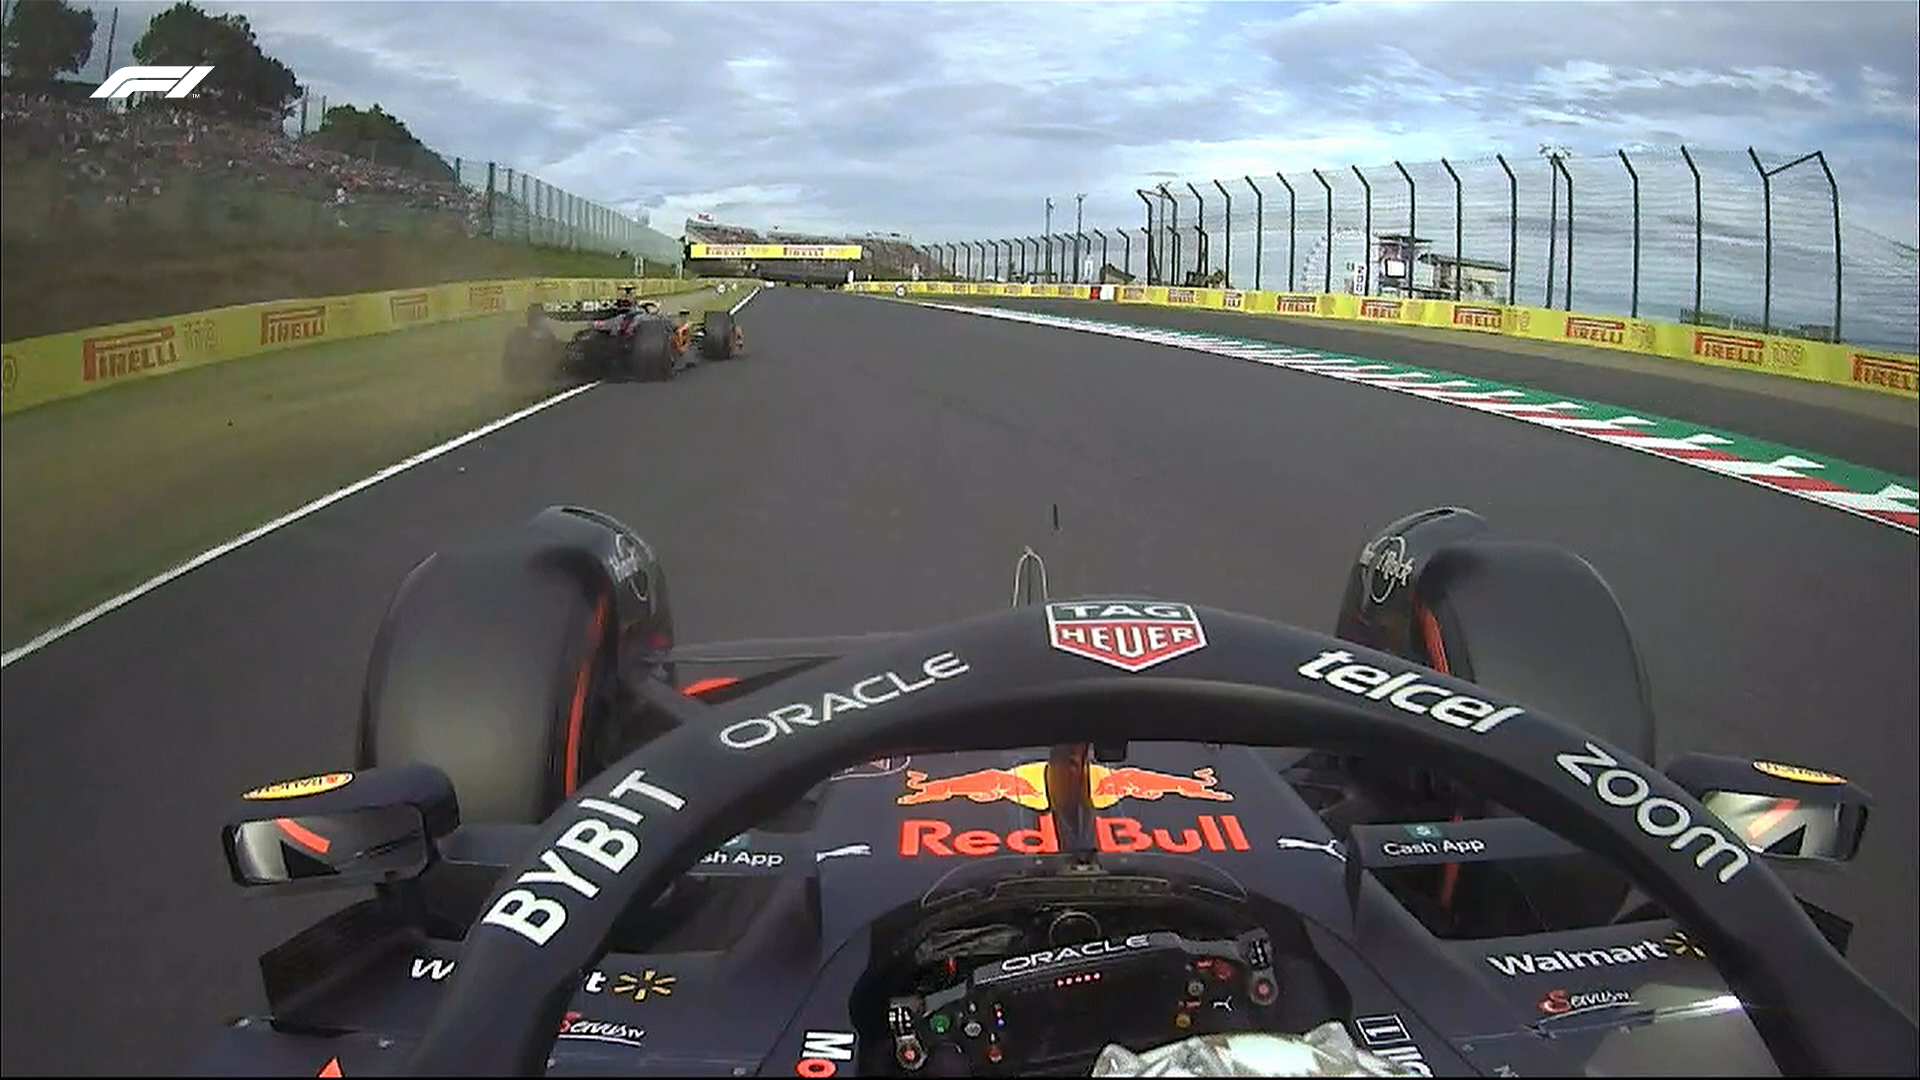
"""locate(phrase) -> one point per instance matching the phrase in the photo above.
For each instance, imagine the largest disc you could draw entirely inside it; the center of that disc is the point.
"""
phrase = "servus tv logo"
(1130, 635)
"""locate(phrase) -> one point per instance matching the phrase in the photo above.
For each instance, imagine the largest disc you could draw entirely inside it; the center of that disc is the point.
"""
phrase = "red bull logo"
(1026, 784)
(1129, 635)
(1117, 835)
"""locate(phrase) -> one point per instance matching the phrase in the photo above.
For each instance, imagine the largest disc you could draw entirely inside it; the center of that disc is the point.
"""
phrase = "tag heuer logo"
(1130, 635)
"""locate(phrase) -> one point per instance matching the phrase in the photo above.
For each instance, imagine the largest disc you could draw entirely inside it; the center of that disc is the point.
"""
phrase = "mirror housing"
(376, 827)
(1783, 812)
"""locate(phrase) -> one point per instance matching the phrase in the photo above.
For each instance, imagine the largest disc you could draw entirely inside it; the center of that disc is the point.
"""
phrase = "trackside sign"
(174, 82)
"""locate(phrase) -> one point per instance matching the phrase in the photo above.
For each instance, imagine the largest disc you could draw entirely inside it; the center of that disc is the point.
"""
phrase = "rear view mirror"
(374, 827)
(367, 846)
(1783, 812)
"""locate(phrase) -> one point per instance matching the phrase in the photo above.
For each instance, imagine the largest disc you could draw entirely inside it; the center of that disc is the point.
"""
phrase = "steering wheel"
(993, 682)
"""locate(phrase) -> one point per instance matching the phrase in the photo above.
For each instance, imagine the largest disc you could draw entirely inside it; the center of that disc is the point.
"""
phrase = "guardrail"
(57, 366)
(1773, 354)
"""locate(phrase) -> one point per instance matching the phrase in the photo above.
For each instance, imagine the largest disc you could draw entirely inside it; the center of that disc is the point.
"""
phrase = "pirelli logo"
(410, 307)
(120, 355)
(281, 325)
(1380, 309)
(1477, 318)
(1885, 371)
(1740, 350)
(1181, 296)
(1232, 300)
(1604, 331)
(486, 298)
(1287, 304)
(1132, 292)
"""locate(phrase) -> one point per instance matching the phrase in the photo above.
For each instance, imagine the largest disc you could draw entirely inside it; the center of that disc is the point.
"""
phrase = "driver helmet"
(626, 298)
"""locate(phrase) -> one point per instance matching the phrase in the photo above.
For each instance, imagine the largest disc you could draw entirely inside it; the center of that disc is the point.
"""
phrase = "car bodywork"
(610, 340)
(1448, 942)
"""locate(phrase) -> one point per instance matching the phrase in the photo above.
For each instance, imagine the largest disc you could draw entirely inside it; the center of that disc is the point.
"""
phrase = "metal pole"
(1366, 267)
(984, 245)
(1553, 231)
(113, 30)
(1149, 275)
(1560, 163)
(1459, 277)
(1126, 251)
(1201, 255)
(1634, 308)
(1413, 228)
(1227, 231)
(1047, 269)
(1103, 255)
(1835, 190)
(1174, 233)
(1326, 286)
(1078, 216)
(1698, 247)
(1766, 196)
(1513, 229)
(1259, 227)
(1293, 228)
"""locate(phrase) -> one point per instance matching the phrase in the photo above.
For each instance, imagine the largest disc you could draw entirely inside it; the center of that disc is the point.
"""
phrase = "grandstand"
(882, 256)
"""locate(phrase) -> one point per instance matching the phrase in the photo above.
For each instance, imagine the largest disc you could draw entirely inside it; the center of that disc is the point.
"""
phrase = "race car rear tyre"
(716, 336)
(495, 664)
(650, 353)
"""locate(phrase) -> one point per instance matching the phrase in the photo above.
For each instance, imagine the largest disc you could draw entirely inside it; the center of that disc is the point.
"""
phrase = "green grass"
(103, 491)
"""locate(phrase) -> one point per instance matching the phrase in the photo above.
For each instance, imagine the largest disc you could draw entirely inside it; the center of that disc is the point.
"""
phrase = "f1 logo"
(175, 82)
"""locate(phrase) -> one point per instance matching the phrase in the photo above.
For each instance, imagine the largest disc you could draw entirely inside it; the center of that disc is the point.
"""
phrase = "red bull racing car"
(626, 338)
(1110, 835)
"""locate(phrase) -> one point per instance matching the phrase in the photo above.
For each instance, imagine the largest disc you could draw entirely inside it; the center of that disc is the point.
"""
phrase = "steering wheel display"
(993, 682)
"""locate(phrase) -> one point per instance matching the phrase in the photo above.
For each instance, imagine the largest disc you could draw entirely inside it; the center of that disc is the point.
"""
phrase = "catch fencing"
(1728, 239)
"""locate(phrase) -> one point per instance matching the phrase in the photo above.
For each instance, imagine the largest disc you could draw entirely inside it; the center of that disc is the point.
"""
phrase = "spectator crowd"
(118, 157)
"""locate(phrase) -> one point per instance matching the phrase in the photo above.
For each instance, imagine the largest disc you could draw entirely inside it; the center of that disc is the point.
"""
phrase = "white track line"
(205, 557)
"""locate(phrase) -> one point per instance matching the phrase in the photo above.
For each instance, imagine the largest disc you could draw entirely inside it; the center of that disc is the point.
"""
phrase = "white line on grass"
(205, 557)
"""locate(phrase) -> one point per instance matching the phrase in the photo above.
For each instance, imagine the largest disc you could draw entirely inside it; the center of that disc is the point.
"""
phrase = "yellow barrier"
(1815, 361)
(56, 366)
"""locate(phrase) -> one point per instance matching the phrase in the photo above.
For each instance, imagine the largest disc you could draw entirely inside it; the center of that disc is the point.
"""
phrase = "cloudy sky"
(954, 120)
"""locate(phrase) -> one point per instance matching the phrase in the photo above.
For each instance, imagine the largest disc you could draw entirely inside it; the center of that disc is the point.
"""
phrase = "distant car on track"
(625, 339)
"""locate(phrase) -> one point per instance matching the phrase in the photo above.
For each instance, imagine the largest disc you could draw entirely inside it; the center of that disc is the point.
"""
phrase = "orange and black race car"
(625, 338)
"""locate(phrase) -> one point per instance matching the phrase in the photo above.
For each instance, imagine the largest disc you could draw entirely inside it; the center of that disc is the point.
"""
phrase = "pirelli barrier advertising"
(43, 369)
(848, 252)
(1816, 361)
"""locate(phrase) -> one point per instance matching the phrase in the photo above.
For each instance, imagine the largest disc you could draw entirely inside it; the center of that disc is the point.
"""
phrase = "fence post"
(1634, 308)
(1766, 198)
(1293, 228)
(1366, 265)
(1227, 252)
(1202, 253)
(1834, 190)
(1413, 227)
(1698, 247)
(1553, 231)
(1148, 202)
(1513, 229)
(1459, 267)
(984, 245)
(1173, 235)
(488, 205)
(1009, 250)
(1259, 227)
(1326, 286)
(1126, 250)
(1103, 255)
(1560, 163)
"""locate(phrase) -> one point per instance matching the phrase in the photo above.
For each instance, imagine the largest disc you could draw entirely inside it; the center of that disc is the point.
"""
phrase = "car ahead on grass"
(1076, 836)
(624, 339)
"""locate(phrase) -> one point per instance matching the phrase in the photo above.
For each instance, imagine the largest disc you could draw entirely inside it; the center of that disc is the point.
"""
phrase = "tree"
(378, 135)
(47, 37)
(246, 82)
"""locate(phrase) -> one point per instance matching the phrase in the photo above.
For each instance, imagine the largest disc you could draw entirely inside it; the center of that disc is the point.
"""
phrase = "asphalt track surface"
(874, 465)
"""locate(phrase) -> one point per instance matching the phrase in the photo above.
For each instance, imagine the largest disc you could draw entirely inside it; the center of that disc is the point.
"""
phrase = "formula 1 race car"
(1075, 836)
(623, 339)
